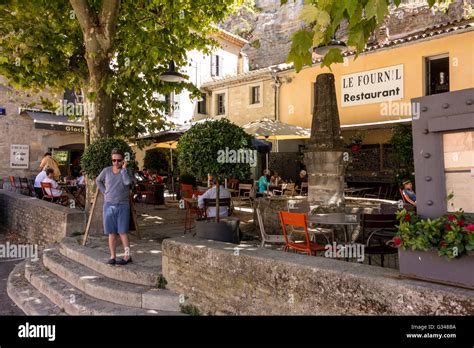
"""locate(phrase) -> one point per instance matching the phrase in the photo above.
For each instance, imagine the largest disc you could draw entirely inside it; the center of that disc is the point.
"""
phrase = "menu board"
(19, 156)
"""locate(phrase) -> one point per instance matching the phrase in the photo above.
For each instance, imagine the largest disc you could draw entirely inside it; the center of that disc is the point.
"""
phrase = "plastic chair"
(298, 220)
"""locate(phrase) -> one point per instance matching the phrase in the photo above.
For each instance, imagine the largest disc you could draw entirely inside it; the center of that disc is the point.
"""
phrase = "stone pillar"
(324, 155)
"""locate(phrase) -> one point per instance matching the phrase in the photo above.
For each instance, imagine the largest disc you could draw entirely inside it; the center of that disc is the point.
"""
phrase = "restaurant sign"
(60, 127)
(372, 86)
(19, 156)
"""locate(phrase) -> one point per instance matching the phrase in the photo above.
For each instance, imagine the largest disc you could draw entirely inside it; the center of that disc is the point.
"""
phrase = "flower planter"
(427, 265)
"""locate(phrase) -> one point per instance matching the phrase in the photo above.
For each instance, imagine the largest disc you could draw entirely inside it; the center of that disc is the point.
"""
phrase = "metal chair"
(268, 238)
(383, 228)
(298, 220)
(246, 196)
(13, 185)
(63, 199)
(303, 207)
(287, 190)
(303, 190)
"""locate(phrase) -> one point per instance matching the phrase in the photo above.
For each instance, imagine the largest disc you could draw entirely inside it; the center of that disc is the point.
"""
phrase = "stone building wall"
(238, 108)
(19, 129)
(259, 281)
(36, 221)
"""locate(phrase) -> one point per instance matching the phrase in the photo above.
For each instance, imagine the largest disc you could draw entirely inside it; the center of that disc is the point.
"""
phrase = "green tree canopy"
(112, 50)
(323, 18)
(199, 150)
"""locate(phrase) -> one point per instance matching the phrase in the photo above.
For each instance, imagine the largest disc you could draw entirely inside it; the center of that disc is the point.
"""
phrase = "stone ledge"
(38, 221)
(263, 281)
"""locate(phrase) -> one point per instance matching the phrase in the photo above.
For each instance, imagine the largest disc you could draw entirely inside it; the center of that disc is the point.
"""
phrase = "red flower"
(461, 223)
(397, 241)
(470, 227)
(408, 217)
(451, 217)
(442, 244)
(447, 227)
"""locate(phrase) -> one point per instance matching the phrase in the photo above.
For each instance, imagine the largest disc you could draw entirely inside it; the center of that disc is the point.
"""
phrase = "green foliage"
(158, 160)
(199, 148)
(323, 18)
(97, 155)
(402, 146)
(189, 309)
(42, 44)
(450, 234)
(187, 179)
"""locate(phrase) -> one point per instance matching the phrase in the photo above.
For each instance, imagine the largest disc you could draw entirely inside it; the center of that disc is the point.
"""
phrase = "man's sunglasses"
(116, 160)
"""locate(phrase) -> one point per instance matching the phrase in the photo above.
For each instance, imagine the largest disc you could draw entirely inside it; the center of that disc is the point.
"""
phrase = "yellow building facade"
(413, 54)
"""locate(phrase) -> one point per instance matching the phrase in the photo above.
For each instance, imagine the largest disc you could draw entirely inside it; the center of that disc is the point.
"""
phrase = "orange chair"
(187, 191)
(298, 220)
(63, 199)
(13, 184)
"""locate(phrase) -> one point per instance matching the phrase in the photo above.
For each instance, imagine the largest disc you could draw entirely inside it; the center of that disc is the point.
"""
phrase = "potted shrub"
(200, 151)
(440, 250)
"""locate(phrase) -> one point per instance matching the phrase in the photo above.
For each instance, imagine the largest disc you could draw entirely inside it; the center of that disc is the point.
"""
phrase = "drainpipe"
(277, 81)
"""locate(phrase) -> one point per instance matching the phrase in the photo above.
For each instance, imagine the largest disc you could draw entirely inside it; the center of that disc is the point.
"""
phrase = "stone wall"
(268, 282)
(37, 221)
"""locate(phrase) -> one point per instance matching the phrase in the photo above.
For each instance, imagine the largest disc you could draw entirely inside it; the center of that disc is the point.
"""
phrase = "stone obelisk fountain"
(324, 154)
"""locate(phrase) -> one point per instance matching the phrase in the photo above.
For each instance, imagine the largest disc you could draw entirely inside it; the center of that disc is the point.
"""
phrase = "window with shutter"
(221, 104)
(214, 65)
(176, 105)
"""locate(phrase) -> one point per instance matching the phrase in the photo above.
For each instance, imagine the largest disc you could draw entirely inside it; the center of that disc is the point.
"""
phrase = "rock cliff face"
(269, 27)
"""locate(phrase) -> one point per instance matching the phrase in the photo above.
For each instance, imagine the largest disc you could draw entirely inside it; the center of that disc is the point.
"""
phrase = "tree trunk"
(218, 213)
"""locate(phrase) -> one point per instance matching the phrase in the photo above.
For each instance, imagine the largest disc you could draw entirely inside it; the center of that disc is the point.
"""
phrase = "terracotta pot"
(427, 265)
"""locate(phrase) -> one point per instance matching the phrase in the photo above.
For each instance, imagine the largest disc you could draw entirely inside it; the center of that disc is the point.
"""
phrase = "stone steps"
(29, 299)
(101, 287)
(72, 300)
(95, 260)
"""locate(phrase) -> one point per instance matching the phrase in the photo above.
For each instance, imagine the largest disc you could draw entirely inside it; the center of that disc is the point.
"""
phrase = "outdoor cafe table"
(345, 221)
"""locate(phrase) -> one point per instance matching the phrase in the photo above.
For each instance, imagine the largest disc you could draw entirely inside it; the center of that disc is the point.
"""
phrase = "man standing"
(50, 162)
(114, 183)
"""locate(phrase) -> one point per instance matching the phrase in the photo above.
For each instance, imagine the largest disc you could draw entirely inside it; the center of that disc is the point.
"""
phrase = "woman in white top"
(55, 192)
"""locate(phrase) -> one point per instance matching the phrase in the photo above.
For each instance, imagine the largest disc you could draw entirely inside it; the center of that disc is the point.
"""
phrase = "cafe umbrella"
(269, 129)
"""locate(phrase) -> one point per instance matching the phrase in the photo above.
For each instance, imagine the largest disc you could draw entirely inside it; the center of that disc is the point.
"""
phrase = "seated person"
(275, 179)
(303, 177)
(81, 179)
(146, 174)
(39, 178)
(408, 194)
(55, 192)
(212, 194)
(263, 182)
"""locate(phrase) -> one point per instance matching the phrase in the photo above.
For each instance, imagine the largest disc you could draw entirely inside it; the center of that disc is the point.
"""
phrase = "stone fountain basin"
(270, 206)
